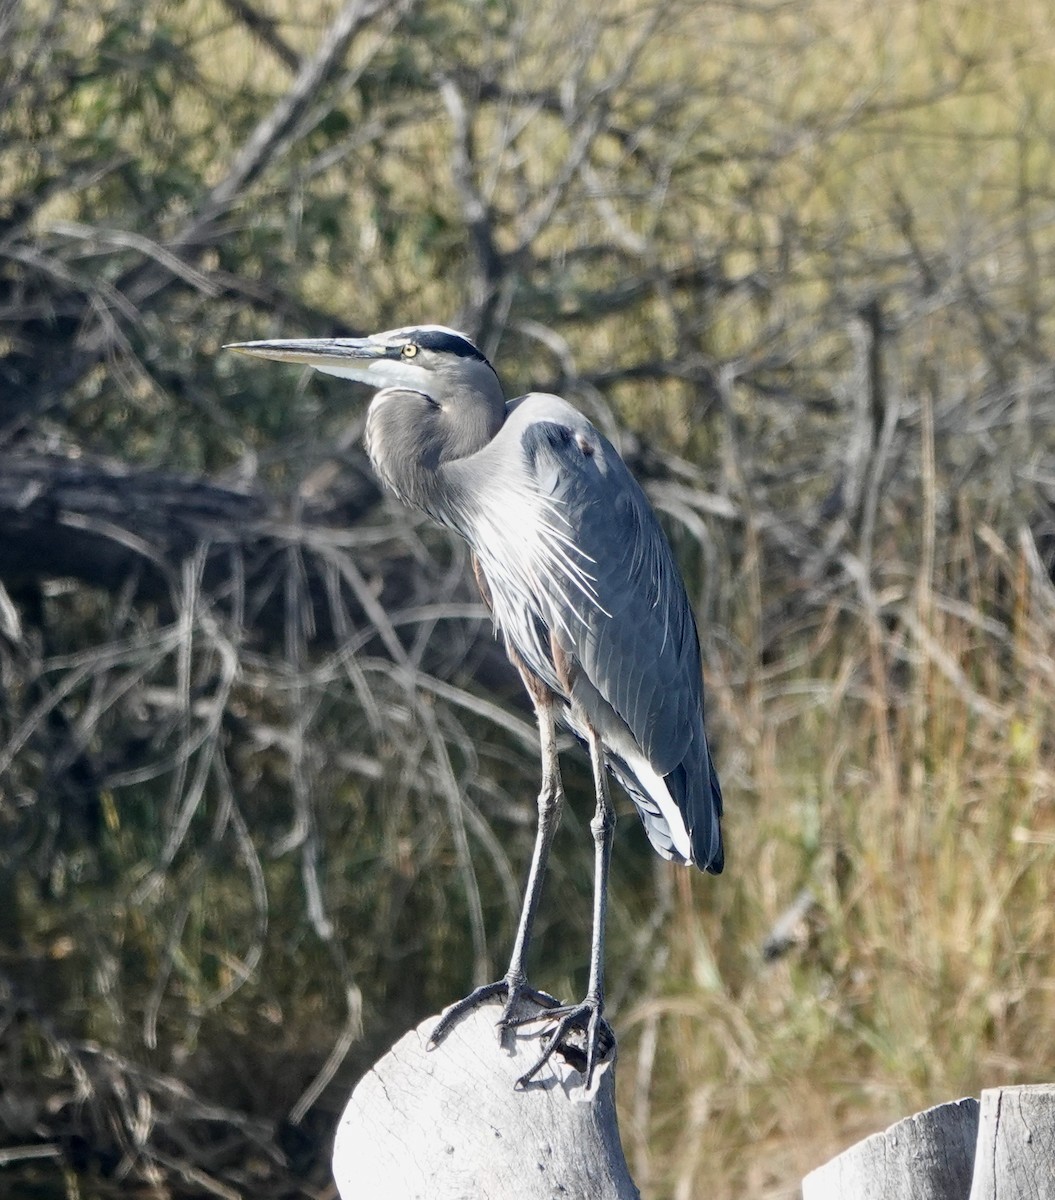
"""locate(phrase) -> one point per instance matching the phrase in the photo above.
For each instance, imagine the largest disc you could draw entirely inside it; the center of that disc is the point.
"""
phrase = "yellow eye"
(409, 350)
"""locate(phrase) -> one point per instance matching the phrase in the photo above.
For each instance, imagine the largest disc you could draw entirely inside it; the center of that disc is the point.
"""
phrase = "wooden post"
(1001, 1150)
(926, 1157)
(1016, 1144)
(448, 1123)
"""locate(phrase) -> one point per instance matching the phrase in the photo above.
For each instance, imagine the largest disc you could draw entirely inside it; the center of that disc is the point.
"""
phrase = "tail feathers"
(681, 815)
(718, 858)
(699, 802)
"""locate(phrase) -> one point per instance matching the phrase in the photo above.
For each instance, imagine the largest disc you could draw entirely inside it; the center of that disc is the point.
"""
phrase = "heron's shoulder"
(564, 450)
(548, 427)
(543, 407)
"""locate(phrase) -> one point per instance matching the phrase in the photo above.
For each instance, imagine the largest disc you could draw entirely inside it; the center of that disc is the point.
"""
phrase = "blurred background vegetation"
(266, 783)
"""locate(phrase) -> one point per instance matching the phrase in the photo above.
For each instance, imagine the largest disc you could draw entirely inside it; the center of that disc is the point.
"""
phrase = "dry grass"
(909, 785)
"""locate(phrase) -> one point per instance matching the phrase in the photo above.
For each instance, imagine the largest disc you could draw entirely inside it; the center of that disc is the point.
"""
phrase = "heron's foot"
(583, 1053)
(515, 988)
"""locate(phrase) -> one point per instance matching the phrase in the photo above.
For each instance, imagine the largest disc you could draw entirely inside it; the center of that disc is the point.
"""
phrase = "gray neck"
(412, 437)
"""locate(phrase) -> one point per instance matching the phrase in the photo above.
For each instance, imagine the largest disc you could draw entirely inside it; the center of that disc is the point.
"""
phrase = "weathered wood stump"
(1016, 1144)
(1003, 1149)
(926, 1157)
(449, 1124)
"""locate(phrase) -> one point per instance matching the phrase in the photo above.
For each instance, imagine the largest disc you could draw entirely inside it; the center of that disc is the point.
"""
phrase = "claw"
(515, 991)
(586, 1017)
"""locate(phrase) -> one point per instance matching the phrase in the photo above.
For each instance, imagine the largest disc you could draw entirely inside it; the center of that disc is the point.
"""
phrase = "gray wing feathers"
(637, 642)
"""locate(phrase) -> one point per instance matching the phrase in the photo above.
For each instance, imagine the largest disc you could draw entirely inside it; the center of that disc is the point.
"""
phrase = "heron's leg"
(588, 1016)
(603, 829)
(550, 804)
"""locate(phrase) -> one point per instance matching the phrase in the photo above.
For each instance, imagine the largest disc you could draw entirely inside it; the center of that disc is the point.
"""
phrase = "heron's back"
(574, 556)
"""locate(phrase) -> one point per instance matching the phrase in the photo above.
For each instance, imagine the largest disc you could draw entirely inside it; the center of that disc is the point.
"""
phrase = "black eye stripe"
(447, 343)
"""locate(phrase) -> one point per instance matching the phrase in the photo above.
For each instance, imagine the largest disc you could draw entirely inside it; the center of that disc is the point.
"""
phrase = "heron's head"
(431, 359)
(438, 398)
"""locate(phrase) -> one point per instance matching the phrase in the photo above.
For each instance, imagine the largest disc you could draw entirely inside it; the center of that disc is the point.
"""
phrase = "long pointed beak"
(362, 359)
(315, 352)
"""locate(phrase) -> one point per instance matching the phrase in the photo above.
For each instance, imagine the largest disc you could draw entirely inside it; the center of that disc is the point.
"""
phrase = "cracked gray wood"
(1016, 1144)
(1003, 1149)
(929, 1156)
(448, 1123)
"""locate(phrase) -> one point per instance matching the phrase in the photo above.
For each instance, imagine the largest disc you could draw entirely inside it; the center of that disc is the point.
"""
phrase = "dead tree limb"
(128, 531)
(449, 1123)
(122, 529)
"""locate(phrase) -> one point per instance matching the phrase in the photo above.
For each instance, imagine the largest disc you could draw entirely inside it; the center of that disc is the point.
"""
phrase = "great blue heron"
(583, 585)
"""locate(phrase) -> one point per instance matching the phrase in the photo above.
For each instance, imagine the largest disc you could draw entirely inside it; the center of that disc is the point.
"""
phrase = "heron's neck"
(469, 417)
(415, 441)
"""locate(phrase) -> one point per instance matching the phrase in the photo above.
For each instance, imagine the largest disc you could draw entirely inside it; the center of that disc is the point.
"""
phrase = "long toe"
(525, 1004)
(597, 1040)
(521, 999)
(454, 1014)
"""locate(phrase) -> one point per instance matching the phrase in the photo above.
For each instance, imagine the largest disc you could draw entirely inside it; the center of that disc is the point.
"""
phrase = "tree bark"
(449, 1123)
